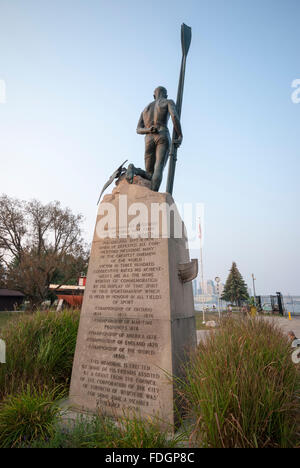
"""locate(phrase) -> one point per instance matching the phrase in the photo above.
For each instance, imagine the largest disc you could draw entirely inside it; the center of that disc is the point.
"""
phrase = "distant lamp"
(217, 280)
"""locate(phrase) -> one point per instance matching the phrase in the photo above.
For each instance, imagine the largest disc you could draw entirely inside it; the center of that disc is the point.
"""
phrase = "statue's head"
(160, 91)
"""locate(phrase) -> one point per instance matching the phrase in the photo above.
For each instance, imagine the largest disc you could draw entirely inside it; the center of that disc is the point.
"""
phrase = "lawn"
(5, 317)
(210, 316)
(236, 314)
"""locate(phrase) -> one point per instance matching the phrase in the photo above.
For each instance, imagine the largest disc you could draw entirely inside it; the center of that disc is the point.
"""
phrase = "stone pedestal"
(137, 320)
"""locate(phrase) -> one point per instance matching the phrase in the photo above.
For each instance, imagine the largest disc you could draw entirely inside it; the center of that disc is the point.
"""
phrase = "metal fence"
(290, 304)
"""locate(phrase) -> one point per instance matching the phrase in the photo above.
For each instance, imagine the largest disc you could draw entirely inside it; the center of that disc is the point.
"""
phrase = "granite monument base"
(137, 321)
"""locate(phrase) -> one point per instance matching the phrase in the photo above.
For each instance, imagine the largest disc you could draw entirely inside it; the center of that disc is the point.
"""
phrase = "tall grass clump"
(132, 431)
(242, 387)
(29, 416)
(39, 350)
(104, 432)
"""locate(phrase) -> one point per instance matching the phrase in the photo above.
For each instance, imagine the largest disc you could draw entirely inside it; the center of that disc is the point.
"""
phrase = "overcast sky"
(79, 72)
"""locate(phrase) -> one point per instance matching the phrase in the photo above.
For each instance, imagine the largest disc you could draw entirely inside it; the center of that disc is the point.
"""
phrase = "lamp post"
(253, 279)
(203, 314)
(217, 280)
(201, 271)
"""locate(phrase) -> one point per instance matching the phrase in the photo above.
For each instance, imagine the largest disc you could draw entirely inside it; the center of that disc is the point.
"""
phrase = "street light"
(253, 279)
(217, 280)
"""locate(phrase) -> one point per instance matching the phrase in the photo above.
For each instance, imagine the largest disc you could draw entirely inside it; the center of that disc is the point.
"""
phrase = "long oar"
(186, 37)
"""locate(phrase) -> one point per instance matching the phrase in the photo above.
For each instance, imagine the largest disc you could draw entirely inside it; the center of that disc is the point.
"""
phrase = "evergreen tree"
(235, 289)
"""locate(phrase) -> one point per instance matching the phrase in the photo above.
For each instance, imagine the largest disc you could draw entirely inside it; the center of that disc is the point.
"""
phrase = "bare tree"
(12, 228)
(38, 244)
(2, 275)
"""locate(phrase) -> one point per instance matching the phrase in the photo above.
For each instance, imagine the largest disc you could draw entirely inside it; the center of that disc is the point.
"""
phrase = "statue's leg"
(149, 154)
(162, 149)
(142, 173)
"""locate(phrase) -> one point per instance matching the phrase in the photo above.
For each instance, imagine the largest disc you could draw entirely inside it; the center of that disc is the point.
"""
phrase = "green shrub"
(30, 415)
(242, 387)
(132, 432)
(103, 432)
(39, 350)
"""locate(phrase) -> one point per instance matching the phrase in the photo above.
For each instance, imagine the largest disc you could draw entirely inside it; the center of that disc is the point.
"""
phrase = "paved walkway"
(287, 324)
(283, 322)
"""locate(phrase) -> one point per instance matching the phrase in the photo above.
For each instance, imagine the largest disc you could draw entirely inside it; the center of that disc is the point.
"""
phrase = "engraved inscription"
(124, 336)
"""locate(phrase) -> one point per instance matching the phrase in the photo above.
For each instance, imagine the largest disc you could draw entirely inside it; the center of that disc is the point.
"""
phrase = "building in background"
(10, 299)
(210, 288)
(207, 297)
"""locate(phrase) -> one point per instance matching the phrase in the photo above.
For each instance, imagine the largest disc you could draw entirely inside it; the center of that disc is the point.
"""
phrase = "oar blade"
(186, 37)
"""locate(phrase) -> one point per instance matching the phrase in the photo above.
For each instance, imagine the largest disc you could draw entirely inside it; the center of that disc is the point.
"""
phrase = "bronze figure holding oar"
(153, 124)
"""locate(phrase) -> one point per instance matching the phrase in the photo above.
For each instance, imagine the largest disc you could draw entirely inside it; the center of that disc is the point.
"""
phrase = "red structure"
(72, 300)
(70, 294)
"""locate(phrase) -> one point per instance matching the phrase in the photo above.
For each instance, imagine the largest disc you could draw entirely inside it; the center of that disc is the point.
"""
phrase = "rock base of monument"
(137, 322)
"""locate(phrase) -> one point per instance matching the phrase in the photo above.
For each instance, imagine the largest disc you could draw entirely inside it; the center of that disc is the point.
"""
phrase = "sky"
(78, 73)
